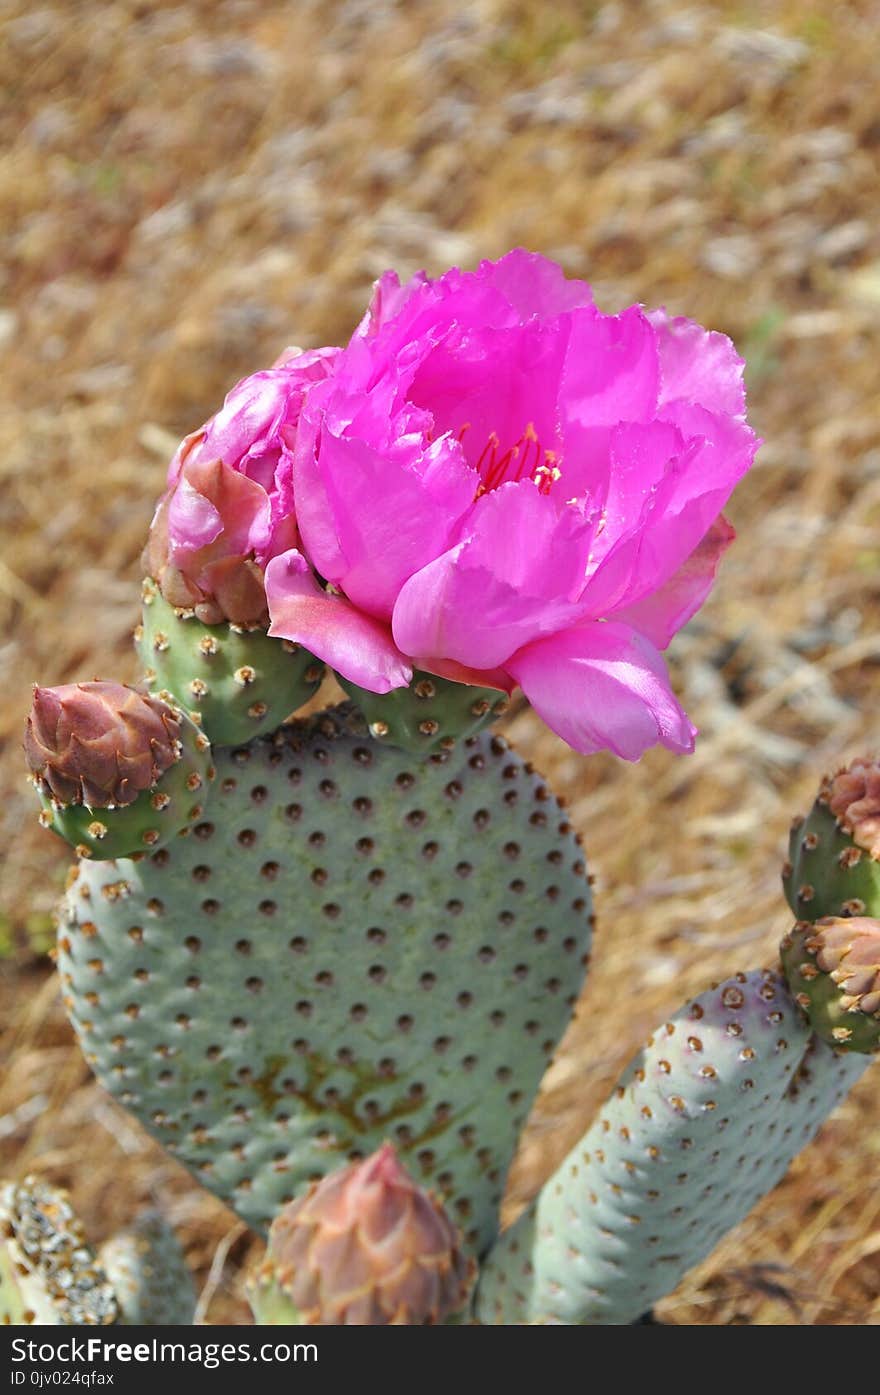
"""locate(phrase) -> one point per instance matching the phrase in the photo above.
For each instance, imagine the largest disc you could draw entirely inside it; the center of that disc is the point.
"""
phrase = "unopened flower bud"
(833, 970)
(117, 772)
(365, 1246)
(99, 744)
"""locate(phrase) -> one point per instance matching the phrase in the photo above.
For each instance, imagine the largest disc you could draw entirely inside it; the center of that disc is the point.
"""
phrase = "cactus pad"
(429, 715)
(149, 1274)
(703, 1123)
(240, 682)
(354, 947)
(48, 1274)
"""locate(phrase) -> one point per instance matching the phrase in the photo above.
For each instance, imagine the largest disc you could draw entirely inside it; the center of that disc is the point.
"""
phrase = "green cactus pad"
(704, 1122)
(827, 873)
(833, 970)
(431, 714)
(355, 947)
(240, 682)
(149, 1274)
(174, 804)
(48, 1274)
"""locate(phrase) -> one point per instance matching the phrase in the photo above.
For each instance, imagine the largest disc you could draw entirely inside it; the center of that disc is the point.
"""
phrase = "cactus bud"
(214, 581)
(833, 970)
(854, 800)
(834, 854)
(99, 744)
(365, 1246)
(117, 772)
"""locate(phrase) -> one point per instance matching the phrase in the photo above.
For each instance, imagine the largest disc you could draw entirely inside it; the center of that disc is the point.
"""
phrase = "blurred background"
(187, 188)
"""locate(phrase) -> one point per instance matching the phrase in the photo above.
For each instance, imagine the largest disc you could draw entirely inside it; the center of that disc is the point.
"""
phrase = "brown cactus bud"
(99, 744)
(365, 1246)
(853, 796)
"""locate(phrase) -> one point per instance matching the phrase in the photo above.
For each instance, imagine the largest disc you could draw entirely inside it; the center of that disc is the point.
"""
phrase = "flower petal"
(533, 285)
(387, 301)
(516, 576)
(369, 519)
(698, 365)
(215, 504)
(519, 287)
(473, 677)
(721, 449)
(662, 614)
(357, 646)
(498, 384)
(611, 368)
(611, 375)
(603, 687)
(246, 432)
(679, 505)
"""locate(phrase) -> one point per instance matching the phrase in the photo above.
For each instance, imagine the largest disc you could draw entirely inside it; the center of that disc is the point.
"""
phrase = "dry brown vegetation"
(188, 187)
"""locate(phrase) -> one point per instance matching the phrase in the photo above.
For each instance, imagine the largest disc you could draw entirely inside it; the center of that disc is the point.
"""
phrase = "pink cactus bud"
(833, 969)
(849, 950)
(99, 744)
(218, 580)
(228, 508)
(366, 1246)
(853, 797)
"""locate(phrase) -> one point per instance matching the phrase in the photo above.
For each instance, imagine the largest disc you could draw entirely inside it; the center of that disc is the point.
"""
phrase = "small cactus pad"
(149, 1274)
(240, 682)
(174, 803)
(431, 714)
(833, 970)
(48, 1274)
(833, 866)
(355, 946)
(365, 1246)
(703, 1123)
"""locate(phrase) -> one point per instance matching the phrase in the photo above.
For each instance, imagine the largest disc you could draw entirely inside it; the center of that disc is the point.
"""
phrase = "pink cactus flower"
(497, 477)
(229, 504)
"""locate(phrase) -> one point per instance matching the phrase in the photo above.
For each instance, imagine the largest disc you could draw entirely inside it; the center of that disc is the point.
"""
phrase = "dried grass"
(189, 186)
